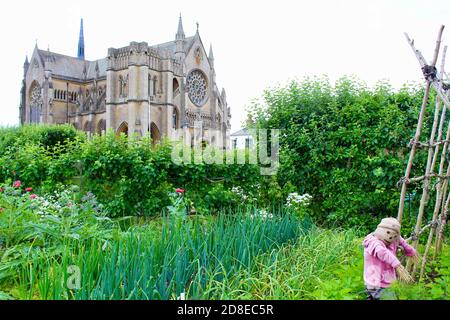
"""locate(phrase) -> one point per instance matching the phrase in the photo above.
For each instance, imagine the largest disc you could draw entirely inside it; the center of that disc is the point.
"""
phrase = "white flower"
(262, 214)
(295, 199)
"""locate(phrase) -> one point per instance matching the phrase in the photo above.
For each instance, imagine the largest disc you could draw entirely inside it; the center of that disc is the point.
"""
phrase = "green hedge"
(345, 144)
(128, 176)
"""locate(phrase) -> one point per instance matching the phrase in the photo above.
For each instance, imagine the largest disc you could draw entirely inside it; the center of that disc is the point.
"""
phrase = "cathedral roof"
(171, 45)
(71, 67)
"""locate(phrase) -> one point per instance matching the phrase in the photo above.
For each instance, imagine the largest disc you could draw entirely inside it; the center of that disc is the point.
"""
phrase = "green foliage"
(33, 226)
(345, 145)
(434, 286)
(28, 153)
(307, 269)
(346, 282)
(47, 136)
(128, 176)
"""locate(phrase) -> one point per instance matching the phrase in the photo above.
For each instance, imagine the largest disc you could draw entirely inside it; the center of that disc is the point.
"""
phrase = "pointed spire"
(198, 25)
(97, 70)
(85, 71)
(81, 42)
(48, 59)
(211, 55)
(180, 33)
(26, 64)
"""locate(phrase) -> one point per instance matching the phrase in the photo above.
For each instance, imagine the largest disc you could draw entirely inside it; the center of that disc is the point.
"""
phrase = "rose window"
(197, 87)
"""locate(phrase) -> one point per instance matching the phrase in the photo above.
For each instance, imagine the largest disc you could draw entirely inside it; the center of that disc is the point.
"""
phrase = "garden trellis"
(440, 176)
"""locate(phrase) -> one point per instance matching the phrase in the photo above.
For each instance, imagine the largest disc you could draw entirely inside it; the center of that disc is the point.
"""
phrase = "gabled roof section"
(72, 67)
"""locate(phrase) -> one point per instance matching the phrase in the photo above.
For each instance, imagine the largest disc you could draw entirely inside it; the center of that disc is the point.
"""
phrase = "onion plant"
(186, 257)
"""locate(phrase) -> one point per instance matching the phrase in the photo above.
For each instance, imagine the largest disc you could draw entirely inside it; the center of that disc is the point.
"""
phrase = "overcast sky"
(257, 44)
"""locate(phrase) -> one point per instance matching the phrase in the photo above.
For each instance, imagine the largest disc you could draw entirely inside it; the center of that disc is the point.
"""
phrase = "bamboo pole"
(441, 123)
(440, 233)
(431, 175)
(426, 182)
(443, 217)
(441, 169)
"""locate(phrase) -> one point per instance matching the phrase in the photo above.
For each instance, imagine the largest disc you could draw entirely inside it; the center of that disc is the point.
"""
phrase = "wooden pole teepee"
(433, 80)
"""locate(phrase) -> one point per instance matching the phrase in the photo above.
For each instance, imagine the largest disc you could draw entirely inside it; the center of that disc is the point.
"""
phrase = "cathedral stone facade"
(138, 89)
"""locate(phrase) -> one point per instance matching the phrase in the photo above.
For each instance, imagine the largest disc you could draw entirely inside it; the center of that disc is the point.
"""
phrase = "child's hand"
(403, 275)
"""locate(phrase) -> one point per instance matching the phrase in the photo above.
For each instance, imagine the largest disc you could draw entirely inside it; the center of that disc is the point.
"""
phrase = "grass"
(303, 270)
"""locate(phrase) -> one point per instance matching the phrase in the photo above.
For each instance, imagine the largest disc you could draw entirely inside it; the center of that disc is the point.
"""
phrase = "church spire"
(81, 42)
(26, 64)
(211, 55)
(180, 32)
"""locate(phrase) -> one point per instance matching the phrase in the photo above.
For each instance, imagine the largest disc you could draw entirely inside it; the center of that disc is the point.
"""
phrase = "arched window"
(35, 98)
(101, 126)
(88, 127)
(150, 86)
(175, 87)
(123, 128)
(155, 81)
(154, 134)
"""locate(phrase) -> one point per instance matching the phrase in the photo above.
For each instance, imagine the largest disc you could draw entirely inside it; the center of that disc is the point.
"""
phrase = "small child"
(381, 266)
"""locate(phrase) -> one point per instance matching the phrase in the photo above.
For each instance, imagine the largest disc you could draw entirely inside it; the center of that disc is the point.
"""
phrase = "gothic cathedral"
(136, 89)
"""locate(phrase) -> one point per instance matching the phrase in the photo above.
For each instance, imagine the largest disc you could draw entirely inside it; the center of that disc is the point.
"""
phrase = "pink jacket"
(380, 261)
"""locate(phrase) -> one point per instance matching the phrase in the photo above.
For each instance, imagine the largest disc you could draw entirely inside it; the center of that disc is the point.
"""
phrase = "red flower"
(33, 196)
(17, 184)
(28, 189)
(179, 190)
(1, 189)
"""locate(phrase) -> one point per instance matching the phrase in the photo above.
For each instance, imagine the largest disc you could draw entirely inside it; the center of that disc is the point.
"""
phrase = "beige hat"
(388, 230)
